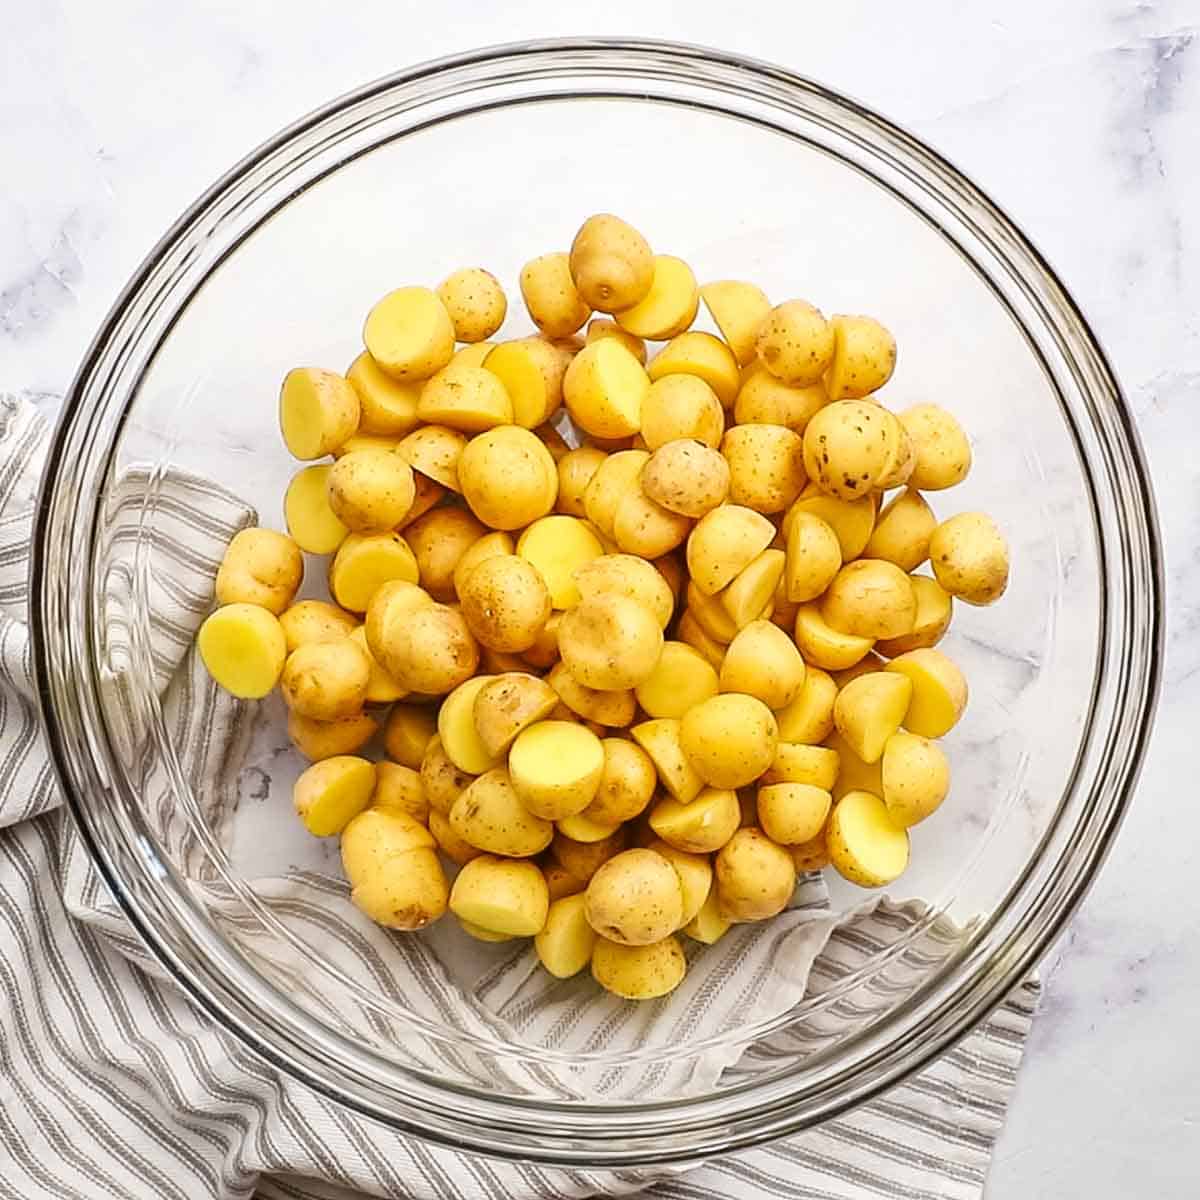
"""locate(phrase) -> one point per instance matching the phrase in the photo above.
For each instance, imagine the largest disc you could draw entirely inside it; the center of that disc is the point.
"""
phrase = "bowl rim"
(437, 1116)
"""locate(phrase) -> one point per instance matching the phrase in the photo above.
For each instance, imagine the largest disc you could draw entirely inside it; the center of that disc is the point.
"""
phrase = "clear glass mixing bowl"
(746, 171)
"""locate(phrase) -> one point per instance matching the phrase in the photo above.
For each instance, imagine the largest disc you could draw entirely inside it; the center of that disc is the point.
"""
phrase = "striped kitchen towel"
(112, 1085)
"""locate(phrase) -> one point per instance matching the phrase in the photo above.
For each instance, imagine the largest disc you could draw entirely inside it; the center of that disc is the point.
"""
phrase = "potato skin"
(795, 343)
(317, 740)
(729, 740)
(916, 777)
(627, 783)
(755, 876)
(682, 407)
(260, 566)
(326, 680)
(635, 898)
(870, 598)
(315, 621)
(864, 357)
(970, 558)
(639, 972)
(610, 642)
(611, 263)
(489, 815)
(847, 446)
(505, 603)
(941, 450)
(686, 477)
(442, 780)
(550, 295)
(508, 477)
(934, 613)
(475, 301)
(501, 896)
(393, 870)
(766, 466)
(814, 557)
(431, 652)
(762, 661)
(902, 531)
(575, 471)
(370, 491)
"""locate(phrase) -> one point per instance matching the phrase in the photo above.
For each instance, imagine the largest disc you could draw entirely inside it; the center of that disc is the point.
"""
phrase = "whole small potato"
(475, 301)
(729, 740)
(490, 545)
(791, 813)
(702, 355)
(317, 740)
(681, 407)
(610, 642)
(556, 768)
(762, 661)
(575, 471)
(409, 333)
(941, 450)
(639, 972)
(315, 621)
(739, 310)
(442, 780)
(435, 451)
(627, 575)
(260, 566)
(824, 646)
(326, 680)
(699, 826)
(508, 477)
(864, 357)
(635, 899)
(505, 603)
(681, 680)
(602, 327)
(311, 523)
(331, 793)
(489, 814)
(611, 709)
(687, 477)
(795, 343)
(970, 558)
(432, 652)
(809, 717)
(723, 542)
(604, 389)
(387, 406)
(611, 264)
(870, 598)
(551, 297)
(902, 531)
(318, 411)
(916, 778)
(371, 490)
(393, 869)
(627, 783)
(670, 305)
(501, 896)
(814, 557)
(755, 876)
(408, 732)
(934, 611)
(764, 400)
(439, 540)
(870, 709)
(645, 528)
(613, 480)
(766, 466)
(469, 399)
(847, 447)
(565, 942)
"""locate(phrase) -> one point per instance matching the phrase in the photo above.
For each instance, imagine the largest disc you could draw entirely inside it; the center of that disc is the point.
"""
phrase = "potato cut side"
(381, 687)
(470, 399)
(409, 729)
(822, 645)
(869, 709)
(739, 310)
(853, 775)
(851, 520)
(604, 388)
(409, 333)
(660, 740)
(501, 895)
(790, 813)
(939, 691)
(682, 679)
(243, 648)
(556, 767)
(483, 935)
(456, 728)
(709, 925)
(865, 845)
(669, 307)
(365, 562)
(725, 542)
(531, 371)
(702, 355)
(699, 826)
(388, 406)
(809, 717)
(565, 943)
(558, 546)
(312, 523)
(751, 591)
(318, 411)
(331, 793)
(434, 450)
(762, 661)
(795, 762)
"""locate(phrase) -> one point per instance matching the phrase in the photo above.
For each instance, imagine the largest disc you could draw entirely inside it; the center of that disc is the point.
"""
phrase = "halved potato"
(865, 846)
(939, 691)
(723, 543)
(507, 704)
(824, 646)
(661, 740)
(870, 709)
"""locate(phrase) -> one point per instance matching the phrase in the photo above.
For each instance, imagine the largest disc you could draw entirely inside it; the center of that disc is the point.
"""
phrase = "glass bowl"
(746, 171)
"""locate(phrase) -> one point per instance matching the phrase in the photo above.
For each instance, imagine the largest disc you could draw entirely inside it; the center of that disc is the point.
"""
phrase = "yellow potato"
(325, 739)
(608, 708)
(639, 972)
(870, 598)
(531, 370)
(711, 616)
(315, 621)
(326, 680)
(388, 613)
(693, 634)
(661, 739)
(630, 576)
(627, 783)
(408, 732)
(439, 540)
(635, 898)
(603, 327)
(558, 546)
(442, 780)
(969, 557)
(672, 570)
(469, 399)
(473, 354)
(371, 441)
(680, 680)
(670, 305)
(916, 778)
(939, 691)
(400, 787)
(902, 458)
(331, 793)
(755, 877)
(809, 717)
(812, 855)
(791, 813)
(795, 343)
(427, 494)
(506, 705)
(543, 654)
(409, 333)
(381, 687)
(941, 450)
(604, 389)
(851, 520)
(387, 406)
(370, 490)
(853, 774)
(393, 869)
(584, 830)
(865, 846)
(814, 557)
(478, 932)
(260, 566)
(611, 263)
(554, 304)
(864, 357)
(501, 896)
(505, 603)
(764, 400)
(695, 877)
(934, 610)
(750, 595)
(583, 859)
(312, 523)
(364, 562)
(847, 447)
(762, 661)
(475, 301)
(575, 471)
(645, 528)
(435, 451)
(870, 709)
(490, 545)
(902, 531)
(823, 646)
(565, 942)
(724, 542)
(739, 309)
(681, 407)
(456, 729)
(508, 477)
(797, 762)
(766, 466)
(699, 826)
(610, 642)
(318, 411)
(702, 355)
(729, 740)
(431, 652)
(611, 482)
(560, 882)
(556, 768)
(448, 842)
(686, 477)
(708, 926)
(490, 815)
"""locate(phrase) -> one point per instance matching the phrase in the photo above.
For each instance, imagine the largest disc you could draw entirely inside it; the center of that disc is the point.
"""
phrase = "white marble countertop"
(1079, 117)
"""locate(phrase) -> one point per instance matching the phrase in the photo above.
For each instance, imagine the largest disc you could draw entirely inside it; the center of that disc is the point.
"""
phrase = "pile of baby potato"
(637, 686)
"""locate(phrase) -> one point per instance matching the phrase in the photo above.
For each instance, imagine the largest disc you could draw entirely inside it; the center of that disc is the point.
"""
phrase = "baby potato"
(680, 680)
(796, 762)
(809, 717)
(670, 305)
(260, 566)
(456, 728)
(603, 327)
(639, 972)
(427, 495)
(916, 778)
(723, 542)
(710, 614)
(566, 941)
(575, 471)
(505, 603)
(364, 562)
(388, 612)
(627, 783)
(869, 710)
(766, 466)
(489, 815)
(508, 704)
(729, 740)
(435, 451)
(560, 882)
(550, 295)
(847, 447)
(456, 849)
(629, 576)
(604, 389)
(702, 355)
(614, 709)
(311, 522)
(244, 649)
(490, 545)
(613, 480)
(690, 632)
(318, 411)
(902, 531)
(393, 869)
(932, 620)
(326, 739)
(763, 662)
(370, 490)
(764, 400)
(864, 357)
(325, 680)
(864, 844)
(708, 926)
(902, 458)
(469, 399)
(969, 557)
(699, 826)
(501, 896)
(400, 788)
(381, 687)
(814, 557)
(686, 477)
(432, 652)
(851, 520)
(750, 596)
(475, 301)
(531, 370)
(583, 829)
(610, 642)
(611, 263)
(645, 528)
(635, 898)
(812, 855)
(795, 343)
(695, 877)
(508, 477)
(739, 309)
(315, 621)
(821, 645)
(583, 859)
(755, 876)
(409, 333)
(681, 407)
(483, 935)
(661, 740)
(408, 731)
(556, 768)
(870, 598)
(442, 780)
(331, 793)
(941, 450)
(557, 546)
(939, 694)
(386, 406)
(853, 774)
(791, 813)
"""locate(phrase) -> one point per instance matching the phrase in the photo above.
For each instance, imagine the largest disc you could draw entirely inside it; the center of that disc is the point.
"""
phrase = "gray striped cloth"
(112, 1085)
